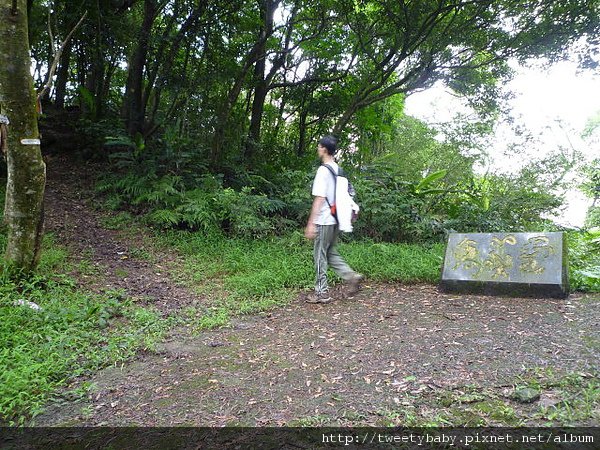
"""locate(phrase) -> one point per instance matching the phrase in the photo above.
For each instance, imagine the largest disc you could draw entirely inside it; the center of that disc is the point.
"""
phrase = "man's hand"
(310, 232)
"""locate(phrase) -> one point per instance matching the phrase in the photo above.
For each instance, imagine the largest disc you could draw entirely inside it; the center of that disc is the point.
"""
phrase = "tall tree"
(134, 106)
(267, 11)
(251, 51)
(26, 169)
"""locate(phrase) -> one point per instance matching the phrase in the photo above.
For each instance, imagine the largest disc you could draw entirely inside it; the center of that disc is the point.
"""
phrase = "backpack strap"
(331, 170)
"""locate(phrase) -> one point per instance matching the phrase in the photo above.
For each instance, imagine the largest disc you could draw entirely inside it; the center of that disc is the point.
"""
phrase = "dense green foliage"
(399, 203)
(208, 112)
(252, 81)
(584, 258)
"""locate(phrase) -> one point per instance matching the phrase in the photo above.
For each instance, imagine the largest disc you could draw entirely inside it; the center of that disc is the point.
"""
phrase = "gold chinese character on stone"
(533, 254)
(466, 255)
(498, 261)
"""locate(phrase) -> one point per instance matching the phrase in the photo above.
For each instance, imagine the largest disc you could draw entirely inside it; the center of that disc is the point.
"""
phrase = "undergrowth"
(52, 333)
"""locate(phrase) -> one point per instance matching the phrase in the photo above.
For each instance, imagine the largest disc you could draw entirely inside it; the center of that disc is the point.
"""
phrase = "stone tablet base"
(530, 290)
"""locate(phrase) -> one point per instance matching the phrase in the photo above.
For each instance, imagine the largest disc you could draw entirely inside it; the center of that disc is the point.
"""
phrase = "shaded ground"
(344, 361)
(73, 217)
(392, 349)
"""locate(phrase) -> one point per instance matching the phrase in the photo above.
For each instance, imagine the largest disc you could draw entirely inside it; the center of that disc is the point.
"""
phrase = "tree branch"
(57, 56)
(50, 35)
(308, 81)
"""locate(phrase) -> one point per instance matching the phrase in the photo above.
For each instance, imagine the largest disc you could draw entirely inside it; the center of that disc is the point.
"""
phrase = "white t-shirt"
(324, 186)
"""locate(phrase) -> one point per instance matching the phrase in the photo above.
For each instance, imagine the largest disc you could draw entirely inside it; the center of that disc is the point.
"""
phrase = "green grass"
(74, 333)
(241, 276)
(576, 402)
(577, 397)
(118, 221)
(407, 263)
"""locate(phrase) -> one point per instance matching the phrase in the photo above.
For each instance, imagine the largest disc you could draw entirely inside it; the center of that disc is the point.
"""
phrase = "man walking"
(323, 228)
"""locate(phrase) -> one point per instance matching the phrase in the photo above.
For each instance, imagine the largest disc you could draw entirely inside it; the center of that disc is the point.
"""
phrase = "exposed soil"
(348, 362)
(73, 217)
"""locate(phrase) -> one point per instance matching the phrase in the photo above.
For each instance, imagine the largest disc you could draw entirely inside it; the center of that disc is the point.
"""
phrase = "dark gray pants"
(325, 254)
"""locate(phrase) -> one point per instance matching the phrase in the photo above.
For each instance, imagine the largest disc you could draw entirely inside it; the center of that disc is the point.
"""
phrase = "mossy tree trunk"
(23, 211)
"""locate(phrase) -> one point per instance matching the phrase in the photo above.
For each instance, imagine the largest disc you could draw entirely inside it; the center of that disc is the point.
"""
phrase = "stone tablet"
(514, 264)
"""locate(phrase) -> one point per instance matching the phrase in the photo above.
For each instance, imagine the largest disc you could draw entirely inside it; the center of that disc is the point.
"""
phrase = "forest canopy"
(210, 110)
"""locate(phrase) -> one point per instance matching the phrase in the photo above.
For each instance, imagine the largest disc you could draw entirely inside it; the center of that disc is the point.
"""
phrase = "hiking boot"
(354, 284)
(323, 297)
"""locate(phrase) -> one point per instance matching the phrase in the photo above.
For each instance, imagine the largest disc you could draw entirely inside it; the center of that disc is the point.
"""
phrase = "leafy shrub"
(499, 203)
(208, 207)
(168, 181)
(395, 210)
(584, 260)
(293, 189)
(592, 218)
(388, 211)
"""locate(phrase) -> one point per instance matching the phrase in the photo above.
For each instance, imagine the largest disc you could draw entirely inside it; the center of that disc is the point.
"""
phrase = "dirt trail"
(72, 216)
(393, 347)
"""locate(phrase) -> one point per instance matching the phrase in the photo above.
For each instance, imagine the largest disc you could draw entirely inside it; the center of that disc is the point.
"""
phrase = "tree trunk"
(224, 111)
(302, 133)
(45, 100)
(81, 67)
(26, 169)
(162, 70)
(267, 11)
(343, 120)
(134, 104)
(262, 82)
(97, 88)
(62, 76)
(258, 106)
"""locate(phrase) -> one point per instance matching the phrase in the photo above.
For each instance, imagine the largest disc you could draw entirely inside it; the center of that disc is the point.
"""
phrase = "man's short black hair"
(330, 143)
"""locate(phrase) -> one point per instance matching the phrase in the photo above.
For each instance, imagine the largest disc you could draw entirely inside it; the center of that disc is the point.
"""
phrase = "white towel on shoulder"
(345, 205)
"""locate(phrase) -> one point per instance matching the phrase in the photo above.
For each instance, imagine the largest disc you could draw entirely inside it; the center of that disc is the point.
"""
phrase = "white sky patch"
(560, 92)
(552, 103)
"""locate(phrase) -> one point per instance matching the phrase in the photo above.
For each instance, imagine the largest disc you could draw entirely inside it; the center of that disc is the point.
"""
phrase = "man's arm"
(311, 229)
